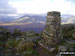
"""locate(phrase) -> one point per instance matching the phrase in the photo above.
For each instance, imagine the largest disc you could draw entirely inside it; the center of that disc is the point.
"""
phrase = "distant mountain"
(68, 19)
(5, 19)
(67, 16)
(26, 23)
(30, 22)
(30, 18)
(42, 18)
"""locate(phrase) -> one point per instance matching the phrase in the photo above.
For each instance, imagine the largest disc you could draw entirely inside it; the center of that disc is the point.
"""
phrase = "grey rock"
(62, 48)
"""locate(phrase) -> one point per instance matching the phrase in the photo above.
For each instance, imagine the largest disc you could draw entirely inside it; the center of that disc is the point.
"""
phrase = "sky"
(15, 7)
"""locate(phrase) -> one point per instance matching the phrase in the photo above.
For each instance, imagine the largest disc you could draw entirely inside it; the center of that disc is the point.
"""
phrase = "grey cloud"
(72, 1)
(5, 8)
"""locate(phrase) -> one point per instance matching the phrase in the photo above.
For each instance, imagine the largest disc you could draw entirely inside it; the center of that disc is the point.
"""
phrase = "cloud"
(73, 1)
(37, 6)
(43, 6)
(6, 8)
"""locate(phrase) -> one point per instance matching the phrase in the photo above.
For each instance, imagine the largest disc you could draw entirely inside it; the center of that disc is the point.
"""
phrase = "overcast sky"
(14, 7)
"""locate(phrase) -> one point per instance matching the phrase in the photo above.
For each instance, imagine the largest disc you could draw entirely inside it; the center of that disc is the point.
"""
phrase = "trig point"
(52, 32)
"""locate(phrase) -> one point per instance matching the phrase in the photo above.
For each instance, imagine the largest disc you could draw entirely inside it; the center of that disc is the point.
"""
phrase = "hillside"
(25, 43)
